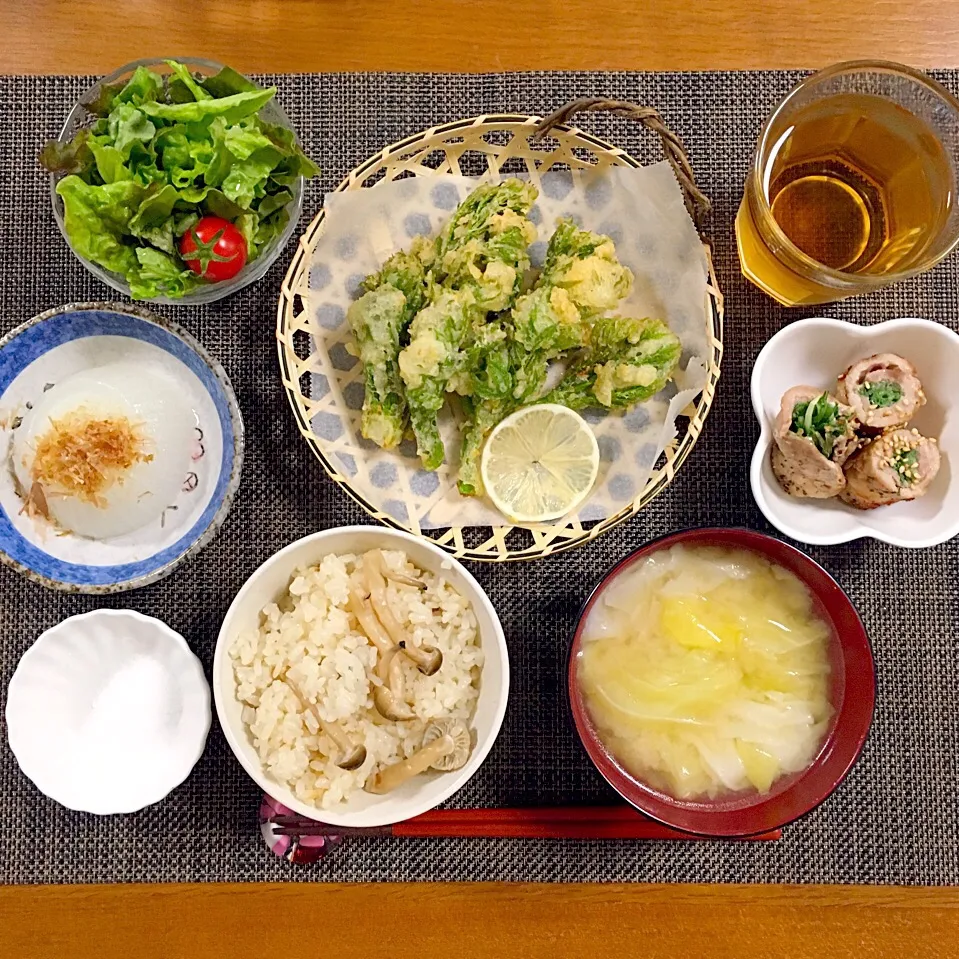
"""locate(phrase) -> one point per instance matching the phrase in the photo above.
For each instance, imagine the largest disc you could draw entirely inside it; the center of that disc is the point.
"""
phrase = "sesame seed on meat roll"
(892, 468)
(883, 390)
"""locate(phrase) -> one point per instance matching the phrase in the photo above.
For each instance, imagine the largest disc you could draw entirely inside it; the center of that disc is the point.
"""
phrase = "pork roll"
(806, 473)
(814, 435)
(883, 390)
(891, 468)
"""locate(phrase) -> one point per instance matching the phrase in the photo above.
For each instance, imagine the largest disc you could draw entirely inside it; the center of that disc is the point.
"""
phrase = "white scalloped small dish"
(815, 351)
(108, 711)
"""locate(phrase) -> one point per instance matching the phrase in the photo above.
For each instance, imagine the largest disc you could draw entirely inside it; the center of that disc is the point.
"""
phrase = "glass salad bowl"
(80, 117)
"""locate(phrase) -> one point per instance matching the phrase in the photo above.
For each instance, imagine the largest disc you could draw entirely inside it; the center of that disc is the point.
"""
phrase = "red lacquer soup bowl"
(852, 695)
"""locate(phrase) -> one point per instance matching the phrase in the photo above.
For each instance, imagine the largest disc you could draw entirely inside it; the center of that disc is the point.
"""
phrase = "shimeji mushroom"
(351, 756)
(361, 608)
(427, 659)
(398, 577)
(446, 746)
(388, 698)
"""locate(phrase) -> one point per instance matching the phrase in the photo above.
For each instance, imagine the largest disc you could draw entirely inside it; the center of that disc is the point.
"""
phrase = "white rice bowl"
(292, 616)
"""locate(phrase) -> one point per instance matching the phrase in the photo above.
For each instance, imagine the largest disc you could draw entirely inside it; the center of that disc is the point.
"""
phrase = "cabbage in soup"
(705, 671)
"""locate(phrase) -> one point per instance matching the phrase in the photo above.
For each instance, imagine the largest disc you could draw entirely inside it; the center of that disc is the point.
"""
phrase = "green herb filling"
(906, 464)
(882, 393)
(820, 421)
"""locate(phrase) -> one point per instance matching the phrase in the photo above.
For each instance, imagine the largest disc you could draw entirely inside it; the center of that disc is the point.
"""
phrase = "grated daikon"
(705, 671)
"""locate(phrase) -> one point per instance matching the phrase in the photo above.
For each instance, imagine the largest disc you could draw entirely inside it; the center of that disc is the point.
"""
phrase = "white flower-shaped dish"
(814, 352)
(108, 711)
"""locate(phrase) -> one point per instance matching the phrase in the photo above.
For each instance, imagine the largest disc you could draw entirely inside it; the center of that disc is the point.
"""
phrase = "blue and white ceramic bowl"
(82, 336)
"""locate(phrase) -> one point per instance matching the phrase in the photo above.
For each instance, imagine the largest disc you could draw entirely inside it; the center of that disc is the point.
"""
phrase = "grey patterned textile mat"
(895, 819)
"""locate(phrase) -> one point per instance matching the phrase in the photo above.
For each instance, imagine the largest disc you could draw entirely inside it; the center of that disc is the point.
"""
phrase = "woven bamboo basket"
(507, 144)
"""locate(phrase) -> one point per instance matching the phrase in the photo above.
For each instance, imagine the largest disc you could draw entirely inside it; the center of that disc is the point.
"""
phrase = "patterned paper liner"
(320, 381)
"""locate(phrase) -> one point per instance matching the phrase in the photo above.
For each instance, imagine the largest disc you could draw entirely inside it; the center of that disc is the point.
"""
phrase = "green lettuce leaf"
(247, 179)
(247, 224)
(96, 218)
(244, 139)
(160, 274)
(294, 166)
(186, 78)
(282, 137)
(156, 220)
(110, 162)
(184, 158)
(269, 229)
(143, 164)
(161, 237)
(227, 82)
(177, 92)
(273, 202)
(231, 108)
(184, 221)
(219, 204)
(221, 159)
(128, 125)
(155, 208)
(144, 86)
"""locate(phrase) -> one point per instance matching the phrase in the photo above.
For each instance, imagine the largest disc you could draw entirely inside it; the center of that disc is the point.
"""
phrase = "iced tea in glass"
(853, 185)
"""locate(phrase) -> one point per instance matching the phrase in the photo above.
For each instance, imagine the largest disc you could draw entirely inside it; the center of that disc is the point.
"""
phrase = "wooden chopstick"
(571, 822)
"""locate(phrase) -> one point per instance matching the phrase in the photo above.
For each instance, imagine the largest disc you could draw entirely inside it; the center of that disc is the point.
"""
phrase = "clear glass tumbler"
(853, 185)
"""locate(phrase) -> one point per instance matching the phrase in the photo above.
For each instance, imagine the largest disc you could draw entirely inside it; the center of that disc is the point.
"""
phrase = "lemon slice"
(539, 463)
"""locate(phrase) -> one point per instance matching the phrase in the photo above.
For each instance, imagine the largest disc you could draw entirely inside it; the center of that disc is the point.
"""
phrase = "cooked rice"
(312, 634)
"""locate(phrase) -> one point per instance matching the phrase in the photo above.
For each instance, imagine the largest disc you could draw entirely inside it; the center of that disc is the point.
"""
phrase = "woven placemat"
(895, 818)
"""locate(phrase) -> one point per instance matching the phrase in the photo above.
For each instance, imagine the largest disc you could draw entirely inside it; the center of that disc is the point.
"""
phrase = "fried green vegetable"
(431, 359)
(184, 146)
(585, 266)
(491, 381)
(628, 361)
(477, 334)
(581, 278)
(480, 259)
(379, 319)
(484, 246)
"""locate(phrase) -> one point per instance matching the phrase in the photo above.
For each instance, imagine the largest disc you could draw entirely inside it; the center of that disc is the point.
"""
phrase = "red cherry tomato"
(214, 249)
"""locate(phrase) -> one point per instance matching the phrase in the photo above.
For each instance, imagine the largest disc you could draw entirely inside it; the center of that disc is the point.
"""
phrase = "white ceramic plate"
(814, 352)
(79, 337)
(73, 685)
(270, 581)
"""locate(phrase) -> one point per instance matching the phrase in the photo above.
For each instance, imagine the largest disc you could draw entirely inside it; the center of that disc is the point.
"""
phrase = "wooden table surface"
(176, 922)
(93, 36)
